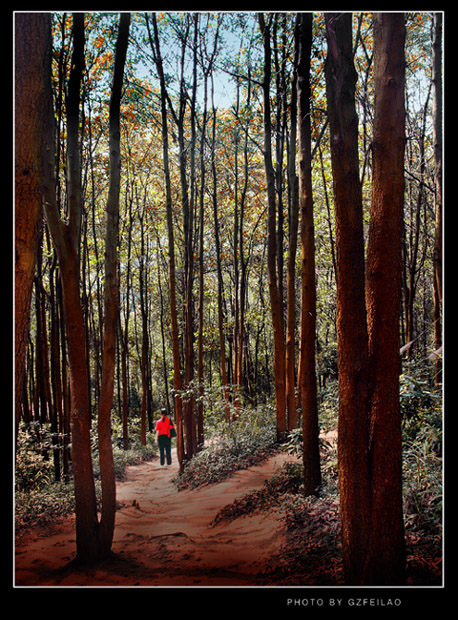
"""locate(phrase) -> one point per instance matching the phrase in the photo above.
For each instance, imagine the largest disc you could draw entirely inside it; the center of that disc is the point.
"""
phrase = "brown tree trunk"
(85, 499)
(66, 241)
(307, 378)
(32, 58)
(272, 250)
(370, 477)
(437, 133)
(124, 331)
(354, 481)
(293, 183)
(243, 261)
(107, 522)
(222, 340)
(236, 340)
(200, 345)
(386, 559)
(177, 381)
(144, 355)
(57, 422)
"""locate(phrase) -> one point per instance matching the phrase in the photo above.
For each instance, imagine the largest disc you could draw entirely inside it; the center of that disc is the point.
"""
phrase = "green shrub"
(422, 472)
(416, 391)
(34, 465)
(38, 496)
(234, 445)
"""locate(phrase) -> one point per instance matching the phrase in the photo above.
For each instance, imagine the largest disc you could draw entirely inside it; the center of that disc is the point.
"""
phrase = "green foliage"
(39, 505)
(293, 445)
(422, 471)
(39, 498)
(234, 445)
(422, 448)
(415, 390)
(136, 453)
(34, 468)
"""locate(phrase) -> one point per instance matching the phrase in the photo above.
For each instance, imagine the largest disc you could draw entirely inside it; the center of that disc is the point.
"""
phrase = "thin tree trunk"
(107, 522)
(222, 340)
(243, 261)
(200, 346)
(293, 183)
(66, 242)
(307, 378)
(57, 423)
(437, 133)
(123, 332)
(177, 380)
(274, 282)
(144, 355)
(235, 258)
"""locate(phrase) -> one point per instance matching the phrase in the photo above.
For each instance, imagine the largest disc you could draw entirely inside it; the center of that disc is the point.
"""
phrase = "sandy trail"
(163, 536)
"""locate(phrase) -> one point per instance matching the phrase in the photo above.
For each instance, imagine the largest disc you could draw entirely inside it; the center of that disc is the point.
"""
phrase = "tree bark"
(200, 345)
(177, 380)
(222, 340)
(293, 183)
(370, 476)
(437, 133)
(107, 522)
(386, 560)
(65, 238)
(32, 61)
(272, 250)
(307, 377)
(353, 465)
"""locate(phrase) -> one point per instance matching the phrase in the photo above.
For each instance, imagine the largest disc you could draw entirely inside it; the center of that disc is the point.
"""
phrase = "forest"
(236, 217)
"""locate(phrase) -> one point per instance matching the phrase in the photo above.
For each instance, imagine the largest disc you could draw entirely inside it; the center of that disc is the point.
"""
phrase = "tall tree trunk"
(107, 475)
(123, 332)
(177, 380)
(93, 540)
(272, 250)
(66, 242)
(32, 59)
(188, 195)
(354, 481)
(57, 423)
(293, 185)
(85, 499)
(243, 348)
(66, 405)
(222, 340)
(200, 346)
(437, 133)
(411, 250)
(386, 559)
(236, 258)
(307, 378)
(144, 355)
(189, 442)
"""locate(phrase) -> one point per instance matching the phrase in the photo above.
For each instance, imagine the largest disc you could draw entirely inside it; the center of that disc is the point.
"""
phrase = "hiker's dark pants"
(165, 446)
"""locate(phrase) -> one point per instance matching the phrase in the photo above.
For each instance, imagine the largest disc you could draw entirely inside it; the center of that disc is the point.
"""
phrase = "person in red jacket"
(163, 426)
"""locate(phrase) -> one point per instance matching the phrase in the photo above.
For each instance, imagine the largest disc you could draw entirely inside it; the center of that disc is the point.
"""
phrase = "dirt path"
(163, 536)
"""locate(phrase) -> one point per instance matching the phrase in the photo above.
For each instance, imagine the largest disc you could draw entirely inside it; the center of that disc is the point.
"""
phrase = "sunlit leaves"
(235, 68)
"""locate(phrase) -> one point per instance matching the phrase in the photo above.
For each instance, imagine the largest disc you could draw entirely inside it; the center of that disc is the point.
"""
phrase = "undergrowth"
(234, 445)
(286, 480)
(311, 523)
(39, 497)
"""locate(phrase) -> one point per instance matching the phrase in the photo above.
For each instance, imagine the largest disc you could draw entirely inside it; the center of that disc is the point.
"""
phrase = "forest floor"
(167, 537)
